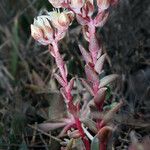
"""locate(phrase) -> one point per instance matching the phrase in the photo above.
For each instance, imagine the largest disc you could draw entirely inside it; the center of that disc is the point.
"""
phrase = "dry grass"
(27, 87)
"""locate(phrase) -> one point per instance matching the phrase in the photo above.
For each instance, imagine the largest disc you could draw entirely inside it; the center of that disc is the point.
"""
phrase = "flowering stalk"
(48, 30)
(94, 59)
(68, 96)
(39, 31)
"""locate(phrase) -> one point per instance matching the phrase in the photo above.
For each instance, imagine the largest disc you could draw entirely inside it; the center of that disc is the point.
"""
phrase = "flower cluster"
(51, 27)
(89, 15)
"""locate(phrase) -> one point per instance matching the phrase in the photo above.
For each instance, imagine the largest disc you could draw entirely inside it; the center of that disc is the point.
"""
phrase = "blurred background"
(27, 86)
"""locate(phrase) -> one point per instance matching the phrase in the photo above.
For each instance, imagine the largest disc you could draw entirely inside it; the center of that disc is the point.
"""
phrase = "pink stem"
(86, 143)
(59, 61)
(85, 140)
(92, 49)
(61, 65)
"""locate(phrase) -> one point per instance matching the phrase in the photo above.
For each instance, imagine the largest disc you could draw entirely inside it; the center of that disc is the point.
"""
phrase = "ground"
(28, 89)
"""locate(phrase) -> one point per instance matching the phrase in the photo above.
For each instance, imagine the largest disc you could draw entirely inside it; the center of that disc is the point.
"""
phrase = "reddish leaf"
(60, 80)
(66, 70)
(51, 126)
(100, 97)
(85, 54)
(64, 94)
(104, 133)
(94, 47)
(72, 108)
(74, 134)
(107, 80)
(109, 115)
(51, 50)
(81, 20)
(101, 19)
(66, 128)
(71, 83)
(91, 74)
(85, 33)
(87, 86)
(99, 64)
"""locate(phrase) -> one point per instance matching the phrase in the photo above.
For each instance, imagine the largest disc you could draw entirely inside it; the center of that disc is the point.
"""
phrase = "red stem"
(60, 65)
(94, 53)
(92, 33)
(59, 61)
(102, 145)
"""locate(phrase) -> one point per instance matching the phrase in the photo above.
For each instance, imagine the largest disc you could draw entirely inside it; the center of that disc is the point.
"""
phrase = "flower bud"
(41, 30)
(63, 19)
(36, 32)
(103, 4)
(88, 8)
(76, 5)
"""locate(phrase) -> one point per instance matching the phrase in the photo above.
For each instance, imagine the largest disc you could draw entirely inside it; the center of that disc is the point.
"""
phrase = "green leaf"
(15, 46)
(95, 143)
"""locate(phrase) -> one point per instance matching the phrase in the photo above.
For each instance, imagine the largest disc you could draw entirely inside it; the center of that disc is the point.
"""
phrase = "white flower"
(53, 26)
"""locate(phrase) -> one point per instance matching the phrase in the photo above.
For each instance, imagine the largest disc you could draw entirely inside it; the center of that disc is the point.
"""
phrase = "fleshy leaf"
(99, 64)
(74, 134)
(60, 80)
(107, 80)
(101, 19)
(91, 74)
(65, 129)
(100, 97)
(81, 20)
(95, 143)
(94, 47)
(85, 33)
(72, 108)
(66, 70)
(87, 86)
(51, 50)
(70, 84)
(85, 54)
(51, 126)
(64, 94)
(109, 115)
(104, 133)
(90, 124)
